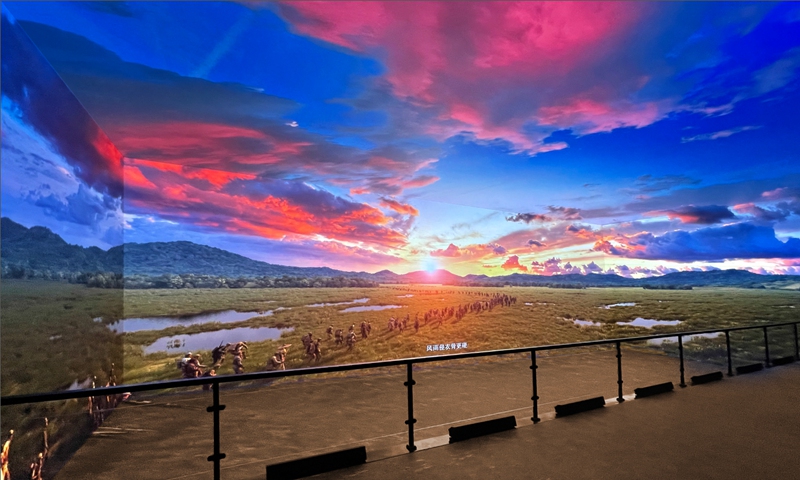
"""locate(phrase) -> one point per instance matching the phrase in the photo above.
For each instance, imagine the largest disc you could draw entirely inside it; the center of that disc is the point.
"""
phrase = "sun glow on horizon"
(430, 265)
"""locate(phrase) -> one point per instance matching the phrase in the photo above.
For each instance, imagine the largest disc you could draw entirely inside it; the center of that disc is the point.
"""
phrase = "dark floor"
(170, 438)
(744, 427)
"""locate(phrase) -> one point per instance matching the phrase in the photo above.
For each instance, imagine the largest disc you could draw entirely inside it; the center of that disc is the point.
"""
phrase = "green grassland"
(49, 337)
(545, 321)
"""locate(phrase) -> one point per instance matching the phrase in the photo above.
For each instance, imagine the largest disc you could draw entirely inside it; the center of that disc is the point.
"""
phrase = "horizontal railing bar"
(193, 382)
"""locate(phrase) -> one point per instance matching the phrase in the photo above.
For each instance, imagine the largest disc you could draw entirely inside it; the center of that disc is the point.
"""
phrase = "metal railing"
(215, 382)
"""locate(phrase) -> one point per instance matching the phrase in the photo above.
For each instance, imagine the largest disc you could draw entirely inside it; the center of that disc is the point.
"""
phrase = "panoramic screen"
(300, 184)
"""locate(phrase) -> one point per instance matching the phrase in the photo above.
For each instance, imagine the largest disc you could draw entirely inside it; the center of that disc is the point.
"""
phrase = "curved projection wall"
(432, 177)
(290, 169)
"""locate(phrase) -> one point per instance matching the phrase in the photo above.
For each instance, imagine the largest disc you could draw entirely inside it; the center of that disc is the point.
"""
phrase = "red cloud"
(202, 144)
(135, 178)
(160, 166)
(110, 155)
(582, 232)
(512, 263)
(271, 151)
(217, 178)
(265, 208)
(402, 208)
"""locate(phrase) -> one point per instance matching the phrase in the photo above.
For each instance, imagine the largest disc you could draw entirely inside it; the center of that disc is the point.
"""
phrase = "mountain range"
(39, 249)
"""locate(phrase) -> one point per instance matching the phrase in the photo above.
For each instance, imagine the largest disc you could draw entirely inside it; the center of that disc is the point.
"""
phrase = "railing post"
(619, 371)
(411, 420)
(766, 347)
(796, 343)
(535, 396)
(728, 346)
(680, 350)
(215, 409)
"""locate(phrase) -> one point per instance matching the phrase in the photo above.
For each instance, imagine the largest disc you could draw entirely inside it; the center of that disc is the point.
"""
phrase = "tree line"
(187, 280)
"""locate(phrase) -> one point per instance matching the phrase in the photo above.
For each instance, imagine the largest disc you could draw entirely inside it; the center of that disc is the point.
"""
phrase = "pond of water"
(405, 296)
(649, 323)
(627, 304)
(358, 300)
(370, 308)
(208, 340)
(160, 323)
(587, 323)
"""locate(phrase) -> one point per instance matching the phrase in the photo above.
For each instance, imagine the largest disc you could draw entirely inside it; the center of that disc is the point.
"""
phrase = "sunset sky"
(637, 138)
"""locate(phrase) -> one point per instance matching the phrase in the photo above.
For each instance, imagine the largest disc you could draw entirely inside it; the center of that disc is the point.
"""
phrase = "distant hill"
(38, 249)
(714, 278)
(186, 257)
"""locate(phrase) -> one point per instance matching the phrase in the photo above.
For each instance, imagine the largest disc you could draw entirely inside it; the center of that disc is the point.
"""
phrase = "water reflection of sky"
(626, 304)
(208, 340)
(587, 323)
(649, 323)
(160, 323)
(369, 308)
(358, 300)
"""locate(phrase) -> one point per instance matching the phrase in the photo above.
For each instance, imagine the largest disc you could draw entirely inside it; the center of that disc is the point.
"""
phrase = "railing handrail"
(192, 382)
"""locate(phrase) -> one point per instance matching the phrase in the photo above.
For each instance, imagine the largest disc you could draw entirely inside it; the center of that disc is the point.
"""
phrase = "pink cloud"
(534, 37)
(587, 116)
(450, 251)
(512, 263)
(552, 237)
(457, 56)
(471, 252)
(359, 191)
(553, 266)
(351, 255)
(402, 208)
(582, 231)
(778, 193)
